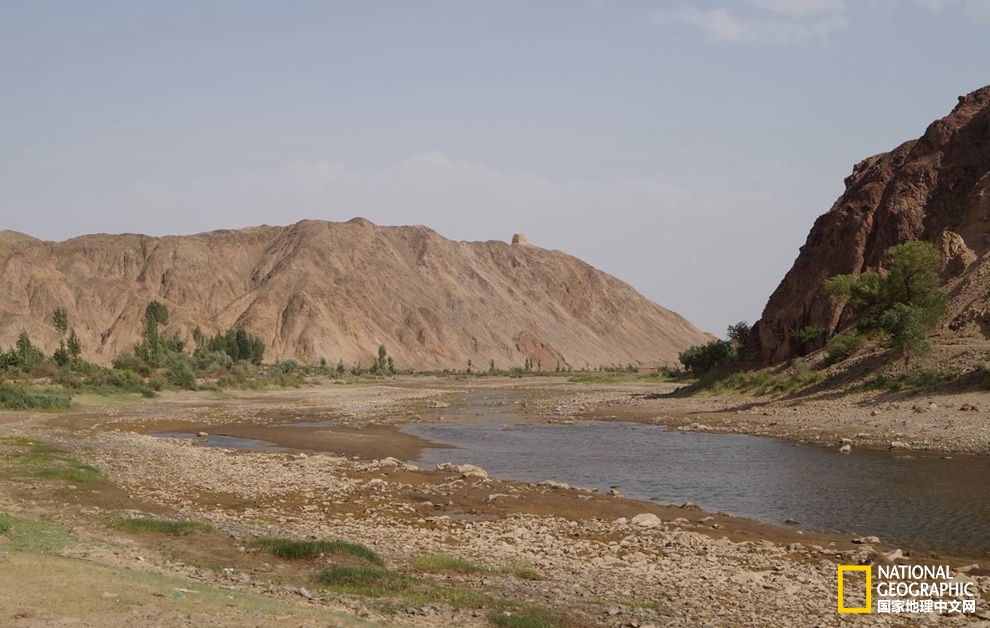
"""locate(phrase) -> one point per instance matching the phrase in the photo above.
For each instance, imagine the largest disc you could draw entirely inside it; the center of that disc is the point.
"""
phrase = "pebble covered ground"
(636, 570)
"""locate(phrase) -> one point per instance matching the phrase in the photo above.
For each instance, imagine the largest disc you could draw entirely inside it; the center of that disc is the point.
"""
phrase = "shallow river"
(919, 500)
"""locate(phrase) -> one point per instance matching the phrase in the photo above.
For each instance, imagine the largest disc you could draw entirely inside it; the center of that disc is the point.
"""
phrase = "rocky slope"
(935, 188)
(336, 291)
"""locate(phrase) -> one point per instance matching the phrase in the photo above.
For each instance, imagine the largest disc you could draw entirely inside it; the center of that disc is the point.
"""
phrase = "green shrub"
(212, 361)
(808, 335)
(182, 375)
(130, 362)
(843, 346)
(18, 397)
(295, 549)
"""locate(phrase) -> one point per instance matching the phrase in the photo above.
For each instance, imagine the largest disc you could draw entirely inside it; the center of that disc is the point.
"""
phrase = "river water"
(920, 501)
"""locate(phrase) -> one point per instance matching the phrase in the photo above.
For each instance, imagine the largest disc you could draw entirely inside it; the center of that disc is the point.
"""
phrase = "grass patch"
(437, 563)
(522, 620)
(924, 380)
(365, 581)
(70, 471)
(762, 383)
(161, 526)
(36, 537)
(43, 460)
(594, 378)
(303, 550)
(411, 591)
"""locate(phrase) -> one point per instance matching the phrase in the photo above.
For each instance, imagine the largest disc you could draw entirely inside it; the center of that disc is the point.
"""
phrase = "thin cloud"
(801, 7)
(976, 9)
(776, 22)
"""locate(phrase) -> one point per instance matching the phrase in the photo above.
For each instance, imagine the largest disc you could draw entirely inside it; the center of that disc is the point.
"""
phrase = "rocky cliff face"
(336, 291)
(935, 188)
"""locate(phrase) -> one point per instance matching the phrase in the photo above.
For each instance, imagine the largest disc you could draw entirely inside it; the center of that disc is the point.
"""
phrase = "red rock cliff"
(935, 188)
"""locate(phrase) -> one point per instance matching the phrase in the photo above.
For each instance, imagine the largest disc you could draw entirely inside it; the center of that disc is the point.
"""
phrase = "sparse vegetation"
(380, 583)
(521, 620)
(438, 563)
(926, 379)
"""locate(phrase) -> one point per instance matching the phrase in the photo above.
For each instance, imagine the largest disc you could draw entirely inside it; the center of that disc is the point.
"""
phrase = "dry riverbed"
(586, 558)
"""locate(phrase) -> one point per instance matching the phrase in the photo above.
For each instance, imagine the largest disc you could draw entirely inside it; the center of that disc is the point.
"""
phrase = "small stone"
(968, 407)
(792, 522)
(202, 434)
(897, 444)
(892, 556)
(845, 449)
(305, 593)
(866, 540)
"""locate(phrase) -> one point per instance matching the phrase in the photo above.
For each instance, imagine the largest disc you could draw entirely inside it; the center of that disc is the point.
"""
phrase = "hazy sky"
(684, 147)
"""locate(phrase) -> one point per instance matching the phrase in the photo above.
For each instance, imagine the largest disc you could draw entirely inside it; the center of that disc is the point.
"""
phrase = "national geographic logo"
(909, 589)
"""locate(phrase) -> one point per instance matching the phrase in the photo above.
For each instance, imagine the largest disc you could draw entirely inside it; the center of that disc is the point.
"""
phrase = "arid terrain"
(336, 291)
(460, 548)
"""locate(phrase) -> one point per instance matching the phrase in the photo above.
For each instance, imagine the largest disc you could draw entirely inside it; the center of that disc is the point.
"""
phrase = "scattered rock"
(845, 449)
(897, 444)
(792, 522)
(866, 540)
(437, 404)
(305, 593)
(202, 434)
(471, 471)
(968, 407)
(646, 520)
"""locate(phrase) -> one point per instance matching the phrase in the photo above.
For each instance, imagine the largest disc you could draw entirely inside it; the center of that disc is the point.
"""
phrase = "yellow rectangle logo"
(869, 589)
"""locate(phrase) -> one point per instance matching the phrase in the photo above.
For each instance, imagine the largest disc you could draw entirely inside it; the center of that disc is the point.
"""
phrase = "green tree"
(152, 347)
(702, 359)
(61, 321)
(74, 346)
(239, 344)
(198, 338)
(903, 306)
(738, 334)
